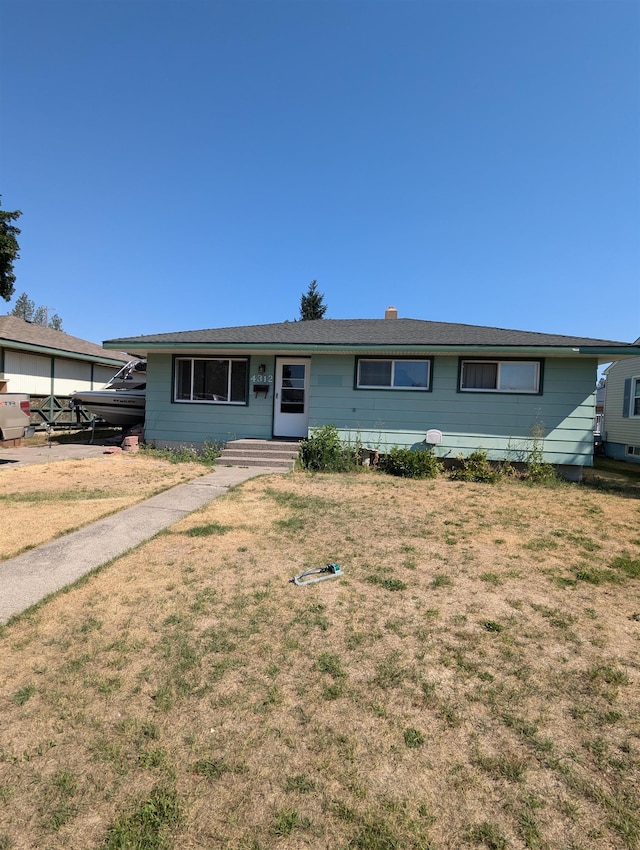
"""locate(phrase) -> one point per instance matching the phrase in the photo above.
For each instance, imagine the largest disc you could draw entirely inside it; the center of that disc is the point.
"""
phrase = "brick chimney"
(391, 313)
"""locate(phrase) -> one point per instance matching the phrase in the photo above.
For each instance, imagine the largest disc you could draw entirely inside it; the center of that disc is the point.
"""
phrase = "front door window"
(291, 410)
(293, 388)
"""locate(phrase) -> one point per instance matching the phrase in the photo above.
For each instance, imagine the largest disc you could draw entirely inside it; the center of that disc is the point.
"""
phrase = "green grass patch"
(331, 664)
(147, 826)
(299, 783)
(82, 494)
(23, 694)
(509, 767)
(292, 525)
(287, 821)
(211, 768)
(390, 673)
(630, 567)
(386, 581)
(207, 530)
(413, 738)
(488, 834)
(492, 579)
(441, 580)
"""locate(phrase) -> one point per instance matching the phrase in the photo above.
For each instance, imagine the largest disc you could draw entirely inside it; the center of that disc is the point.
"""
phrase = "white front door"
(291, 410)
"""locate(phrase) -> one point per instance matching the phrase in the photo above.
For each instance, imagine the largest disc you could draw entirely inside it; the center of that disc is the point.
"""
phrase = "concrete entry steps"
(274, 453)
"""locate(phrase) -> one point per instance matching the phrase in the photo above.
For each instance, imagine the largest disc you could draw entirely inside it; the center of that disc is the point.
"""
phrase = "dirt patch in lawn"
(472, 680)
(41, 501)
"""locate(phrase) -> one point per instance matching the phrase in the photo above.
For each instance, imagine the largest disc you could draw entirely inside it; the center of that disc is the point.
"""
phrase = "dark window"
(211, 380)
(504, 376)
(479, 376)
(394, 374)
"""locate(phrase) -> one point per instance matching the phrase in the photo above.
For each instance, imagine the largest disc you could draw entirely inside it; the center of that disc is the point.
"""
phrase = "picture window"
(211, 380)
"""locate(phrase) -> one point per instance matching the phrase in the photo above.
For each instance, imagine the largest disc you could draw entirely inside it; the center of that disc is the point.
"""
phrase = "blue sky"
(185, 164)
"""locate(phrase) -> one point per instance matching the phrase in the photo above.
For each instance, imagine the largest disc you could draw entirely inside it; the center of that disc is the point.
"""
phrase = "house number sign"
(261, 379)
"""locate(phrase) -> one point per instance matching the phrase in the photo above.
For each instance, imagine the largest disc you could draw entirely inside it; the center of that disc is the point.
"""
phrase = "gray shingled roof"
(27, 334)
(364, 332)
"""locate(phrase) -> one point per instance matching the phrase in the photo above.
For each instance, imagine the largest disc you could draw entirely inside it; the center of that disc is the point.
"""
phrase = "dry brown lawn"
(39, 502)
(473, 680)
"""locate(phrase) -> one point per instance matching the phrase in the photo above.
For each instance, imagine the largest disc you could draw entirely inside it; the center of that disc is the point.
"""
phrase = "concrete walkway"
(30, 577)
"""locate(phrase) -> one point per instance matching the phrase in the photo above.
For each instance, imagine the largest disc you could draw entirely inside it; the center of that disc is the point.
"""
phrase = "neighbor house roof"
(369, 334)
(28, 336)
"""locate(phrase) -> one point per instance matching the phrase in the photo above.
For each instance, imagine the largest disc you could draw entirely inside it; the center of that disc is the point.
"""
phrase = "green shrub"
(476, 467)
(323, 451)
(208, 454)
(407, 463)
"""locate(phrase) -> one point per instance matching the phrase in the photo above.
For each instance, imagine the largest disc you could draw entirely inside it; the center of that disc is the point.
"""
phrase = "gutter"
(612, 353)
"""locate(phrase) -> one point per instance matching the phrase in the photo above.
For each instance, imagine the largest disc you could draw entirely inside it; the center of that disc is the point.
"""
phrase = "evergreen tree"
(312, 304)
(8, 252)
(25, 308)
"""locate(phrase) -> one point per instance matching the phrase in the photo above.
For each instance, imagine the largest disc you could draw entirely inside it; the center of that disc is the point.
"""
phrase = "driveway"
(48, 454)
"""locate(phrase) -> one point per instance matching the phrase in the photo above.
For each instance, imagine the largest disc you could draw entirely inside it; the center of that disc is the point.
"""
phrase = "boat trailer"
(322, 573)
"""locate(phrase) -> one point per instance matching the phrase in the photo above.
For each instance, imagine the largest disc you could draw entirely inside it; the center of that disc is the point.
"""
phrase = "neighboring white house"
(49, 365)
(622, 410)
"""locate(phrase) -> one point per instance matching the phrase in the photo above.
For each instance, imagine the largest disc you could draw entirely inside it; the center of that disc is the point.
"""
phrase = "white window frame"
(192, 400)
(499, 364)
(394, 361)
(634, 396)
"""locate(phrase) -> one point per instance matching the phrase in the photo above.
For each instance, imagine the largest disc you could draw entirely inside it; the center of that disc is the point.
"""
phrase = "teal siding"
(168, 423)
(502, 424)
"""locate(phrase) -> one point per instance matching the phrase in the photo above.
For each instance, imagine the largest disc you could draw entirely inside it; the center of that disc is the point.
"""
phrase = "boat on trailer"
(122, 399)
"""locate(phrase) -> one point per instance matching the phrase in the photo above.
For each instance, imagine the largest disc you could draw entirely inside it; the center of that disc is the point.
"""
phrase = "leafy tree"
(8, 251)
(312, 304)
(26, 309)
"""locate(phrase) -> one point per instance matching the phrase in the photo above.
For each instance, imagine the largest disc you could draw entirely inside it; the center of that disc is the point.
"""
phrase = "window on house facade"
(211, 380)
(393, 374)
(635, 397)
(500, 376)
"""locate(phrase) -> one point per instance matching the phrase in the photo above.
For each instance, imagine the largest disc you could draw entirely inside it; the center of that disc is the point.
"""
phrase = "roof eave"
(603, 353)
(60, 352)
